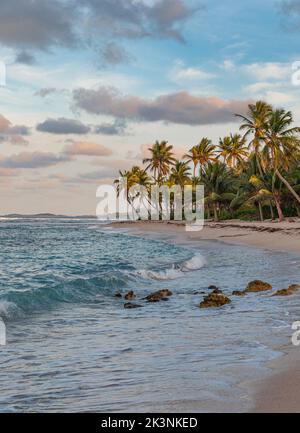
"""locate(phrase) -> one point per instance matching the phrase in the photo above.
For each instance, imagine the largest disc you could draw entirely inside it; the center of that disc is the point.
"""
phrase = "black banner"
(101, 423)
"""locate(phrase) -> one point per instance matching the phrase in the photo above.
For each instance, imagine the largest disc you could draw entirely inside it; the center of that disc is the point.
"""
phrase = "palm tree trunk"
(208, 212)
(287, 184)
(259, 164)
(216, 217)
(261, 215)
(271, 210)
(279, 210)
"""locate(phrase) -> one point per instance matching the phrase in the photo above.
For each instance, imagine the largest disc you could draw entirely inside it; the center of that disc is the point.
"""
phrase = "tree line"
(254, 174)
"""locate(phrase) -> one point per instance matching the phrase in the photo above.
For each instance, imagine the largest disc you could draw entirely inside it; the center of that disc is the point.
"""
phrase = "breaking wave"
(176, 271)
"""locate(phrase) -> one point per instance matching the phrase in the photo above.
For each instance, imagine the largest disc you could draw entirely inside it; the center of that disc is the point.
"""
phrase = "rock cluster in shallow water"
(215, 299)
(258, 286)
(130, 296)
(238, 293)
(291, 290)
(160, 295)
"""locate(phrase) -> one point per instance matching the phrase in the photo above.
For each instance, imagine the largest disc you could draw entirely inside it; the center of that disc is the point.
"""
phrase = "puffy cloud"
(291, 13)
(12, 133)
(116, 128)
(4, 124)
(37, 23)
(166, 14)
(25, 58)
(63, 126)
(290, 7)
(181, 107)
(87, 149)
(259, 87)
(181, 74)
(227, 65)
(265, 71)
(42, 24)
(113, 54)
(132, 19)
(32, 160)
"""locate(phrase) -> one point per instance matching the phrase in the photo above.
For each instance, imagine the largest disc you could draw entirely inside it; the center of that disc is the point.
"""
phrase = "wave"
(17, 304)
(176, 271)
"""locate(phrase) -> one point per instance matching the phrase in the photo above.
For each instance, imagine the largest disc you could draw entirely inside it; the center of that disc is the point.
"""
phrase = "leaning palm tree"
(201, 154)
(282, 145)
(160, 161)
(267, 188)
(233, 150)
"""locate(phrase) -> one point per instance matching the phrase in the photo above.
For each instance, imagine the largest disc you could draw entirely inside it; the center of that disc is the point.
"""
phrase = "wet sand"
(280, 390)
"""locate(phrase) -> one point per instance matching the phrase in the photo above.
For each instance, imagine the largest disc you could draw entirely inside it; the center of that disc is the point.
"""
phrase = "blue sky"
(91, 84)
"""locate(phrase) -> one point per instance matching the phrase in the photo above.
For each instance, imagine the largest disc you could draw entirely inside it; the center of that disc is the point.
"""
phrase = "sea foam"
(176, 271)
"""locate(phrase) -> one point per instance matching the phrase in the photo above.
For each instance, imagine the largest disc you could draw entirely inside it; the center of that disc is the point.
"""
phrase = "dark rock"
(215, 289)
(291, 290)
(159, 295)
(130, 296)
(294, 287)
(257, 286)
(238, 293)
(215, 300)
(129, 305)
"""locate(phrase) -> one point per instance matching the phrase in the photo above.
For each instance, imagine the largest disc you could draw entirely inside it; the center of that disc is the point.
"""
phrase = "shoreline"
(278, 391)
(268, 235)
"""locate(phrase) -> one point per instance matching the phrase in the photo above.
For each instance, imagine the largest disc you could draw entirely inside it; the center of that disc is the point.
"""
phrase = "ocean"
(71, 345)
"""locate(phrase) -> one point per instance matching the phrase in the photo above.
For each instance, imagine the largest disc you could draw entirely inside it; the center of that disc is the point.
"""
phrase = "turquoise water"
(71, 346)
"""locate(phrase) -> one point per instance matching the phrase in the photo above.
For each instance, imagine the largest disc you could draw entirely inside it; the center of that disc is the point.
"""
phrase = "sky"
(91, 84)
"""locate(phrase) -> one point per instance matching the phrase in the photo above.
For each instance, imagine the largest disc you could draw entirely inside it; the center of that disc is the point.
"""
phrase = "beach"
(279, 391)
(276, 236)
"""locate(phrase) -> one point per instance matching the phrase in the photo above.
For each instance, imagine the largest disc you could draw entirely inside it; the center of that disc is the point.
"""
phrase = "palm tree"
(255, 124)
(282, 145)
(192, 156)
(219, 186)
(266, 188)
(237, 176)
(233, 149)
(201, 154)
(161, 160)
(134, 177)
(180, 174)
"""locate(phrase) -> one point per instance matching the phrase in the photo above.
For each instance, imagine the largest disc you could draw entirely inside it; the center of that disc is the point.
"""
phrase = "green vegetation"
(251, 175)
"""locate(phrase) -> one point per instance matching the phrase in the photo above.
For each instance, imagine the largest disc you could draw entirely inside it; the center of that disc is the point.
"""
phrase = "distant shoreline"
(46, 216)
